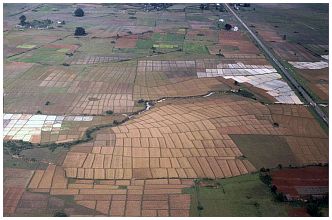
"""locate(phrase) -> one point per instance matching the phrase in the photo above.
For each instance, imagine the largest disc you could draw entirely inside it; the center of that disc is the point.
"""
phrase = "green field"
(195, 48)
(144, 44)
(63, 50)
(26, 46)
(165, 46)
(41, 55)
(11, 162)
(237, 196)
(146, 22)
(45, 154)
(265, 150)
(172, 37)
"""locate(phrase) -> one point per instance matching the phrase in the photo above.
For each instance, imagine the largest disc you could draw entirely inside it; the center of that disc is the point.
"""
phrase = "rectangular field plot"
(310, 65)
(72, 90)
(301, 182)
(260, 76)
(155, 106)
(83, 59)
(29, 127)
(209, 137)
(157, 79)
(26, 46)
(42, 55)
(265, 151)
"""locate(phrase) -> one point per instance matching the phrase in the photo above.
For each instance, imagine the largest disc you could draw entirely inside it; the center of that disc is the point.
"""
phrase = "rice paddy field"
(125, 120)
(303, 43)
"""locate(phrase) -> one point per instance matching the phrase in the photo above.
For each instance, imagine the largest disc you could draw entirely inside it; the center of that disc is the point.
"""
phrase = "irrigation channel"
(14, 148)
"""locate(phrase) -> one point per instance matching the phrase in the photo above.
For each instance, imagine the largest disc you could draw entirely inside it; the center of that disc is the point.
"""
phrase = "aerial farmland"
(165, 110)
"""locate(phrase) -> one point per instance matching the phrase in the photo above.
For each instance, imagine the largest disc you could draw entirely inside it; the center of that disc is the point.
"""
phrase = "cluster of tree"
(246, 93)
(34, 23)
(314, 205)
(156, 6)
(266, 178)
(244, 5)
(220, 7)
(15, 147)
(204, 6)
(79, 31)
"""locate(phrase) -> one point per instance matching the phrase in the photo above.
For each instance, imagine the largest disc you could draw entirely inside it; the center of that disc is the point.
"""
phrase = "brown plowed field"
(289, 181)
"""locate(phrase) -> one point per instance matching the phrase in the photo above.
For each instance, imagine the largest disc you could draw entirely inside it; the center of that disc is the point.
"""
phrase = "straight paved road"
(296, 85)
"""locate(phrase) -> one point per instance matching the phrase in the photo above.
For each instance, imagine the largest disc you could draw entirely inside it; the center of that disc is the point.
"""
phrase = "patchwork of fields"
(125, 120)
(302, 43)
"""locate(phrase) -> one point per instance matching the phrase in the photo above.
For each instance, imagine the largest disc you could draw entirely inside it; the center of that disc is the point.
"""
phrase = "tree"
(80, 31)
(109, 112)
(60, 214)
(228, 27)
(313, 209)
(280, 197)
(265, 178)
(79, 12)
(274, 189)
(23, 19)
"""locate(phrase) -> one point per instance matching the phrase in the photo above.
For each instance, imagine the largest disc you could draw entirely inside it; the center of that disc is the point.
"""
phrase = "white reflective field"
(25, 126)
(261, 76)
(311, 65)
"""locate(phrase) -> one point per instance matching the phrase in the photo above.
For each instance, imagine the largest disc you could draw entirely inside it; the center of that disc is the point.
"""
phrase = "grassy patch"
(68, 199)
(238, 196)
(46, 8)
(265, 150)
(95, 46)
(41, 55)
(11, 162)
(144, 44)
(231, 48)
(169, 37)
(63, 50)
(195, 48)
(166, 46)
(44, 154)
(151, 22)
(26, 46)
(197, 18)
(122, 187)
